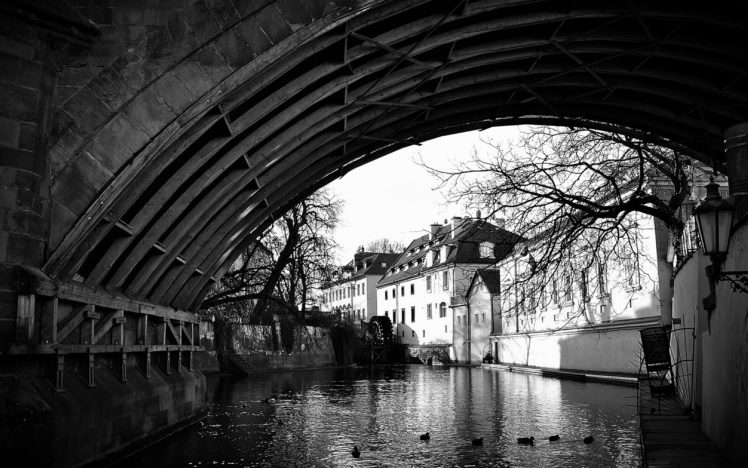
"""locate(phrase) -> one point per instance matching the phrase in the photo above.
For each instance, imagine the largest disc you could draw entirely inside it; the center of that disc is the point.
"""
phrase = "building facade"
(583, 318)
(419, 290)
(351, 293)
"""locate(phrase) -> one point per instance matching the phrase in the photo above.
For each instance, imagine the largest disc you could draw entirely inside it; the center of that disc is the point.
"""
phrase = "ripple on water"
(318, 417)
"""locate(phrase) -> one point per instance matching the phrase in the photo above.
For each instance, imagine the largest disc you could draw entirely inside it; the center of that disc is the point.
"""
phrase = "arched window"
(442, 310)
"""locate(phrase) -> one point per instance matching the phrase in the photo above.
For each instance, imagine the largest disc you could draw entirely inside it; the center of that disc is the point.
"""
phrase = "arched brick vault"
(214, 120)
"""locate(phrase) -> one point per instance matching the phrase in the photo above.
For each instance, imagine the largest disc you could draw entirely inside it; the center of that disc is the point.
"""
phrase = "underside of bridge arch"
(159, 178)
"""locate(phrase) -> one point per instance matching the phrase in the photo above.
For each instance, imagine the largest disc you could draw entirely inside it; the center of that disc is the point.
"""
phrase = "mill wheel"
(379, 330)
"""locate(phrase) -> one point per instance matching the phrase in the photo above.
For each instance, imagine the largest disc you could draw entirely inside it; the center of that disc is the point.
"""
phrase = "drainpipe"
(736, 154)
(469, 343)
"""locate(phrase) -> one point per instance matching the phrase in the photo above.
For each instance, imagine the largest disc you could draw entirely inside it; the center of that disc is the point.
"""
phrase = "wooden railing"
(67, 318)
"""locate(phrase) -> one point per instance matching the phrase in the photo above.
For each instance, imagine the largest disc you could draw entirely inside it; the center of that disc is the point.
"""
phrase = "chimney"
(434, 228)
(477, 214)
(455, 228)
(499, 222)
(429, 258)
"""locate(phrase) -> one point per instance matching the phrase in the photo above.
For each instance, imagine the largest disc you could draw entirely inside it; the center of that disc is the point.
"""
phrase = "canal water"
(314, 418)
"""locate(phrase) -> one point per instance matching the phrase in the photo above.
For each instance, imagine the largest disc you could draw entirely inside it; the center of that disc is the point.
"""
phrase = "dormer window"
(486, 249)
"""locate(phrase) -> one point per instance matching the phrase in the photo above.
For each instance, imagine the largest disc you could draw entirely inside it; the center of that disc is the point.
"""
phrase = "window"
(402, 291)
(385, 294)
(428, 283)
(424, 333)
(445, 279)
(413, 333)
(442, 310)
(363, 312)
(394, 290)
(412, 289)
(459, 318)
(476, 318)
(583, 286)
(412, 314)
(445, 329)
(601, 280)
(631, 270)
(428, 311)
(387, 313)
(568, 291)
(358, 289)
(402, 315)
(555, 318)
(554, 291)
(363, 288)
(483, 318)
(486, 249)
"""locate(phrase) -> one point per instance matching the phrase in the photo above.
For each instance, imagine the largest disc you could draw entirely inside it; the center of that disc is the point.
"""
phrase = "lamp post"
(714, 218)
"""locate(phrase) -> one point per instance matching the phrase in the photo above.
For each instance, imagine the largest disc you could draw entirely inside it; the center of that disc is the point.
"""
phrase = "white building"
(352, 292)
(418, 290)
(583, 318)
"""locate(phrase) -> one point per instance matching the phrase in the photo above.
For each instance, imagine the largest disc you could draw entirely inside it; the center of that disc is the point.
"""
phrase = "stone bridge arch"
(169, 134)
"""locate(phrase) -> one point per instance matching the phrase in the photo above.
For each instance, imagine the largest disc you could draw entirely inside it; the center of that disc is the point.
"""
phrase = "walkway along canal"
(315, 417)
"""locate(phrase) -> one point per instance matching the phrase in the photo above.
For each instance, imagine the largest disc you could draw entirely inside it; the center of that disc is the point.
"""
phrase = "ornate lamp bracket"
(738, 280)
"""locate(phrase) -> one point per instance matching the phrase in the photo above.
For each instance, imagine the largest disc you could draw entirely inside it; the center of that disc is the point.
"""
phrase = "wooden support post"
(179, 361)
(91, 367)
(25, 311)
(168, 362)
(189, 358)
(142, 332)
(49, 321)
(123, 367)
(60, 373)
(120, 321)
(147, 364)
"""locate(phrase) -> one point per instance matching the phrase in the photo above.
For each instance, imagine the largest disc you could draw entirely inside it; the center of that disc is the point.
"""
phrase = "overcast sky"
(394, 197)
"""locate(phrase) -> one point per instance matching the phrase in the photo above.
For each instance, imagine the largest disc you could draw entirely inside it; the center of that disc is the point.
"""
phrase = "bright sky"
(394, 197)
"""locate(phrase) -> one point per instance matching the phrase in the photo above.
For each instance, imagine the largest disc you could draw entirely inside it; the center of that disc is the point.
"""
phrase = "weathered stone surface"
(88, 110)
(82, 424)
(213, 63)
(236, 52)
(148, 113)
(273, 23)
(253, 36)
(295, 13)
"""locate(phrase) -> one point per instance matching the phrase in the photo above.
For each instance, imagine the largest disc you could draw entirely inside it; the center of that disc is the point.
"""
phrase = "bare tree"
(385, 245)
(275, 275)
(577, 195)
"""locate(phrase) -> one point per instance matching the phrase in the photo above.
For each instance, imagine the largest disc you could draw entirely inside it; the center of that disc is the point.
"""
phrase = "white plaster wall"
(479, 330)
(689, 288)
(422, 331)
(622, 302)
(603, 350)
(725, 361)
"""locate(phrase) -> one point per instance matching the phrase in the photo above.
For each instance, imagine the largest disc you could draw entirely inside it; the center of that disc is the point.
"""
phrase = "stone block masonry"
(42, 427)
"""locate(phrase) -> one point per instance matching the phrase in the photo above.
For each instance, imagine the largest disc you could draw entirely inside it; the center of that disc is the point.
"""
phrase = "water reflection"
(318, 416)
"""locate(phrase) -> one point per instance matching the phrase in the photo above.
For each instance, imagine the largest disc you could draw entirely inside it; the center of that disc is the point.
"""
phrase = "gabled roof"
(375, 268)
(461, 248)
(491, 278)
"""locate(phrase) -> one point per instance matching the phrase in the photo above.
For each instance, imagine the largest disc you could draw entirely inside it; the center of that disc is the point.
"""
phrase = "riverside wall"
(40, 426)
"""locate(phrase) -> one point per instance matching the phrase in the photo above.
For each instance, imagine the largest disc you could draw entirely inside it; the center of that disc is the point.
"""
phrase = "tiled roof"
(492, 280)
(375, 267)
(463, 248)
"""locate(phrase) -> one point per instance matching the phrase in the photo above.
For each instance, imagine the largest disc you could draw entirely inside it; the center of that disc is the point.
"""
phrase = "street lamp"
(714, 219)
